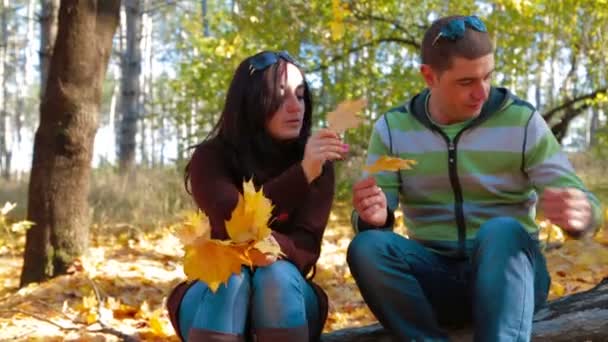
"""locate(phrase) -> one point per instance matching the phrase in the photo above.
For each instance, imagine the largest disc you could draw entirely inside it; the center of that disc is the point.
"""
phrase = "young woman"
(264, 132)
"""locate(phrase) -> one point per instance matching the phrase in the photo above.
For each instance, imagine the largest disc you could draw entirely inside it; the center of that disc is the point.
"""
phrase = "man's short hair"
(438, 51)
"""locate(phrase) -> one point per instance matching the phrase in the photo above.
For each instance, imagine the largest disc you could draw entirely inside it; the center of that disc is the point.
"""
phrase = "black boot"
(202, 335)
(297, 334)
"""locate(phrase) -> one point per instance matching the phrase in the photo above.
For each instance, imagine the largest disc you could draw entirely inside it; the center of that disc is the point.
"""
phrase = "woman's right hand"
(321, 146)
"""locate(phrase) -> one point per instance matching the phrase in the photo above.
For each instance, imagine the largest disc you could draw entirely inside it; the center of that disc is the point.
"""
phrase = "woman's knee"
(279, 276)
(279, 296)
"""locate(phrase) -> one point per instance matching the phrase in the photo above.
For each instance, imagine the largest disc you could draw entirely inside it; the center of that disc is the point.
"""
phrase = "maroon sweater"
(301, 210)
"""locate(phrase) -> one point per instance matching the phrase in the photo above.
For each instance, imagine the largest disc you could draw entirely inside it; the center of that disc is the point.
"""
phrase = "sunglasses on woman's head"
(266, 59)
(455, 28)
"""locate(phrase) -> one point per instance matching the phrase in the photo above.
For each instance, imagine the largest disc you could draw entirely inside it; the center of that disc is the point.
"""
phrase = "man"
(484, 159)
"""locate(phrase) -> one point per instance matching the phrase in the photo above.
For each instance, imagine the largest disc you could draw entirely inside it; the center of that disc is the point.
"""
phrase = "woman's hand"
(321, 146)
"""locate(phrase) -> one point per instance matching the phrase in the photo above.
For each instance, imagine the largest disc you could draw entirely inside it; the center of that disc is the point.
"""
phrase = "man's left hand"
(568, 208)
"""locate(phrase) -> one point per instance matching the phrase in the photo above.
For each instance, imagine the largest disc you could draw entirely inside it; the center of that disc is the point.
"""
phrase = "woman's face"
(286, 122)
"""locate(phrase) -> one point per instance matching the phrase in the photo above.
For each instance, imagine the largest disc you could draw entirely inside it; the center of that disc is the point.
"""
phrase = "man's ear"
(429, 75)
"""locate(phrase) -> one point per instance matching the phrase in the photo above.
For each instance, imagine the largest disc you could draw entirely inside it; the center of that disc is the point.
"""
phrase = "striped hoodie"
(494, 165)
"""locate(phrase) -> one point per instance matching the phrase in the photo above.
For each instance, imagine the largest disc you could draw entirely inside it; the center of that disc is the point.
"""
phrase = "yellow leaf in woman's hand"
(213, 262)
(386, 163)
(345, 115)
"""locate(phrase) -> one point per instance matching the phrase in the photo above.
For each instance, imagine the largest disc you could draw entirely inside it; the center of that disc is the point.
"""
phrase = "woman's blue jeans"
(412, 290)
(275, 296)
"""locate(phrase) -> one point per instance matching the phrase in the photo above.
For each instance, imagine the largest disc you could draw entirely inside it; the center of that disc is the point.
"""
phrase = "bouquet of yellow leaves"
(214, 261)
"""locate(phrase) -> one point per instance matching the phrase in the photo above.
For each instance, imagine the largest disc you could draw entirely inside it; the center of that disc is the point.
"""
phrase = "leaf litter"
(124, 279)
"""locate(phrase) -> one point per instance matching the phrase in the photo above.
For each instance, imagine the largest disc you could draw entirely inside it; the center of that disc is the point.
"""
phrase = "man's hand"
(370, 202)
(568, 208)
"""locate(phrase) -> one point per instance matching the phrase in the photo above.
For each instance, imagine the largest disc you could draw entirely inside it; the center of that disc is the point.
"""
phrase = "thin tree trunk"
(131, 70)
(63, 146)
(204, 13)
(5, 155)
(149, 85)
(147, 153)
(48, 34)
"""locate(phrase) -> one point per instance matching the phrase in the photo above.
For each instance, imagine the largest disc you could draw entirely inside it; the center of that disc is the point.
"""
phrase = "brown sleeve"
(216, 194)
(302, 244)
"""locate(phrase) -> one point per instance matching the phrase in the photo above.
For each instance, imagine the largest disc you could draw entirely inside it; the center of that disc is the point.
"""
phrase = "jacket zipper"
(456, 188)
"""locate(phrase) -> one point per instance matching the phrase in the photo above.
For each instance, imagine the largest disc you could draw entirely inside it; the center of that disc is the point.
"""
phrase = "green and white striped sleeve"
(548, 166)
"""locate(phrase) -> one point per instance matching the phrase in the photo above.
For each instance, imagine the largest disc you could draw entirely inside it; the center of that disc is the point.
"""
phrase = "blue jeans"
(412, 290)
(275, 296)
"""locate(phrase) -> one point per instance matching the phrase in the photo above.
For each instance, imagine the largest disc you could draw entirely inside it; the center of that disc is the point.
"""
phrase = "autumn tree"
(63, 146)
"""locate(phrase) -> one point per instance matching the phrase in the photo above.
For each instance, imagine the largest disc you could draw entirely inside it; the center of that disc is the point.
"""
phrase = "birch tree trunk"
(131, 70)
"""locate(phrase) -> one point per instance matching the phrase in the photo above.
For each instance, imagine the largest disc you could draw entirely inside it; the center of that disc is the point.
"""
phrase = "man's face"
(460, 91)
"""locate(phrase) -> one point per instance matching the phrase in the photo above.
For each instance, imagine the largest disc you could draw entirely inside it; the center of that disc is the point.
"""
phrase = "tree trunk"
(131, 69)
(48, 34)
(147, 136)
(204, 14)
(4, 113)
(578, 317)
(63, 146)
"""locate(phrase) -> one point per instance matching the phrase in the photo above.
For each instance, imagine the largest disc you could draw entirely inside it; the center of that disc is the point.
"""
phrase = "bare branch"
(551, 113)
(105, 328)
(40, 318)
(374, 42)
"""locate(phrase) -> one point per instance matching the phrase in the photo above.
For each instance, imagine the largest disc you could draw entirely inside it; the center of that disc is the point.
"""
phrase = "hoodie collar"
(498, 99)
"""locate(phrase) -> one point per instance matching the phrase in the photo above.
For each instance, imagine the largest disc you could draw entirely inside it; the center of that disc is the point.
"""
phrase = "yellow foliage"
(195, 226)
(386, 163)
(337, 27)
(268, 246)
(337, 30)
(345, 115)
(550, 233)
(249, 220)
(213, 262)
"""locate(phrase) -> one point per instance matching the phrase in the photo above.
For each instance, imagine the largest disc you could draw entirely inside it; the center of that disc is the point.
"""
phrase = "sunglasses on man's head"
(455, 28)
(266, 59)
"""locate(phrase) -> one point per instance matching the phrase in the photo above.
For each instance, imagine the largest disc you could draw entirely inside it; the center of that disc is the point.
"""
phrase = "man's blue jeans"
(412, 290)
(275, 296)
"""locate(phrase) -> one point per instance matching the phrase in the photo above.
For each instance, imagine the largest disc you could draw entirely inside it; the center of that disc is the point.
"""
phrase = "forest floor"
(120, 286)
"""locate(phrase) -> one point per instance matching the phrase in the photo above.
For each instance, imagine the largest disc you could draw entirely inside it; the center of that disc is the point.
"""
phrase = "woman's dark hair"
(252, 99)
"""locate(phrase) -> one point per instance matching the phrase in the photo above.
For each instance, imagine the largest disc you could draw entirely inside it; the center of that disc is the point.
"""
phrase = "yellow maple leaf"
(157, 325)
(386, 163)
(345, 115)
(213, 261)
(249, 220)
(269, 246)
(195, 226)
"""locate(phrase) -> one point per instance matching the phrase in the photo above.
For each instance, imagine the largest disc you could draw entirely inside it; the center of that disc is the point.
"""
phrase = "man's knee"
(364, 246)
(503, 231)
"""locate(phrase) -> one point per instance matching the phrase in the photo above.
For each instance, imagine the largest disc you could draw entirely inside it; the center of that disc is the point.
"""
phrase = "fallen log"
(578, 317)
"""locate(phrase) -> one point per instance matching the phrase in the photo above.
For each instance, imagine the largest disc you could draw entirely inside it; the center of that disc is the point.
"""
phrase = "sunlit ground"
(133, 273)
